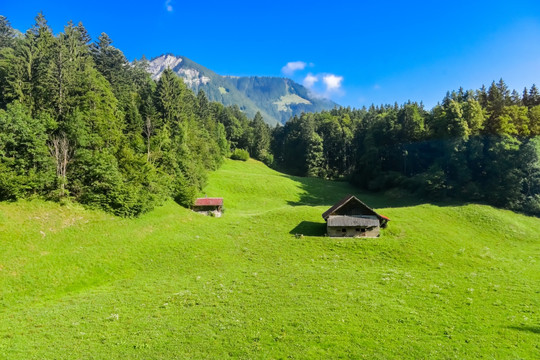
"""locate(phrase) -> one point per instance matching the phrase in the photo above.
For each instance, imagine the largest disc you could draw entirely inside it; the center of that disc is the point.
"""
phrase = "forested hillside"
(476, 145)
(78, 121)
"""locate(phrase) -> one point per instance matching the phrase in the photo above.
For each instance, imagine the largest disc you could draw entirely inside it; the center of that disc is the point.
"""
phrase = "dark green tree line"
(480, 145)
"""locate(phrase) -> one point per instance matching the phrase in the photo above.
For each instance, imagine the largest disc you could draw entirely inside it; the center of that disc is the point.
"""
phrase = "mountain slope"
(443, 281)
(278, 99)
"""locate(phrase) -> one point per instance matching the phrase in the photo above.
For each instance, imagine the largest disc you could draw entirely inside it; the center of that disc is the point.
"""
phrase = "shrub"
(268, 159)
(240, 154)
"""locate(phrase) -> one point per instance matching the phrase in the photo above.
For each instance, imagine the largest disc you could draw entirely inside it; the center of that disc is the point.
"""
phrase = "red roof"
(209, 202)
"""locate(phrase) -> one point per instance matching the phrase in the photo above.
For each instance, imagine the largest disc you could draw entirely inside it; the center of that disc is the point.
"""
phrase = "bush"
(268, 159)
(240, 154)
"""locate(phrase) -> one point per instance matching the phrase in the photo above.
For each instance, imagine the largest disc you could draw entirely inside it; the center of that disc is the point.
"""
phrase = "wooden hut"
(209, 206)
(350, 217)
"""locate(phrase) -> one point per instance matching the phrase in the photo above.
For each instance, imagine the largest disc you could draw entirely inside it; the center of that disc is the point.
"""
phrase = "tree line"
(79, 121)
(481, 145)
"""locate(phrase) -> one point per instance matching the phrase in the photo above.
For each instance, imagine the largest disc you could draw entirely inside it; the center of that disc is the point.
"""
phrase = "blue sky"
(355, 52)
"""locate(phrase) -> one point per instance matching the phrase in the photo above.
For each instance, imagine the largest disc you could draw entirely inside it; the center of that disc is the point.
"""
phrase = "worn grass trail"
(443, 281)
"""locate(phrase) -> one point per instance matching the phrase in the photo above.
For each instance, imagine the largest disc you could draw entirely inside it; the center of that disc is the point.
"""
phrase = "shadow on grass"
(320, 192)
(532, 329)
(309, 228)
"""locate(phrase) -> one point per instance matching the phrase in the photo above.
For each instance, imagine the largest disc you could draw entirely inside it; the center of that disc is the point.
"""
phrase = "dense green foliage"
(240, 154)
(78, 120)
(443, 281)
(480, 146)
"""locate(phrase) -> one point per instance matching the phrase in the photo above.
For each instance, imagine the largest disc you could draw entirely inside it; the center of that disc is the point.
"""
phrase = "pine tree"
(172, 103)
(315, 156)
(534, 96)
(482, 96)
(495, 107)
(26, 69)
(260, 141)
(203, 106)
(7, 34)
(67, 69)
(112, 64)
(515, 98)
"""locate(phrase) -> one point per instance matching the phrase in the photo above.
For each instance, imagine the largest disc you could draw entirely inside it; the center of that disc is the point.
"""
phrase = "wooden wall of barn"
(352, 208)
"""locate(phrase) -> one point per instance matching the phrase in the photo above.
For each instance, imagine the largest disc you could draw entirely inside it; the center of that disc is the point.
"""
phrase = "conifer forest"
(79, 121)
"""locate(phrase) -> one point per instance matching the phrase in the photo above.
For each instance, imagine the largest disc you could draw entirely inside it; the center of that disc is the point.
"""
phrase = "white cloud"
(168, 5)
(332, 82)
(293, 66)
(310, 80)
(322, 85)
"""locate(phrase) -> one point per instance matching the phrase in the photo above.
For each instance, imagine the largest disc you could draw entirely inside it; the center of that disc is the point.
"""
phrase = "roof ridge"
(337, 205)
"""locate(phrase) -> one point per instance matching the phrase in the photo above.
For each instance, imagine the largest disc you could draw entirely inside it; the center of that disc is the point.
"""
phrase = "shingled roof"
(343, 221)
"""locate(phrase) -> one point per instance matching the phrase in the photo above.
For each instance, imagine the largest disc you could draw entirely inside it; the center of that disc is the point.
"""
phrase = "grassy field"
(443, 280)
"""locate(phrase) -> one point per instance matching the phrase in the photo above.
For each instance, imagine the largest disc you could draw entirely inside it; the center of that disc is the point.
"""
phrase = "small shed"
(350, 217)
(209, 206)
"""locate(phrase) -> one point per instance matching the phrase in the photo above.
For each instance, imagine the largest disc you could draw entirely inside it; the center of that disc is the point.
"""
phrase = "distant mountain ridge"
(278, 99)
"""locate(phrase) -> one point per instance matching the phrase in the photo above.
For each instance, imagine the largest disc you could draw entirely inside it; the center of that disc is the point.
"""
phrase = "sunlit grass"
(442, 281)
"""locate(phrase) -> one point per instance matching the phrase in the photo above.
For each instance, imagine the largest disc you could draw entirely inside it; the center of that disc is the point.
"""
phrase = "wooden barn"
(209, 206)
(350, 217)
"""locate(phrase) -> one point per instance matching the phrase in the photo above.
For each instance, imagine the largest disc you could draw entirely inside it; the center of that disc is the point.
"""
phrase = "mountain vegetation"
(479, 145)
(277, 99)
(78, 121)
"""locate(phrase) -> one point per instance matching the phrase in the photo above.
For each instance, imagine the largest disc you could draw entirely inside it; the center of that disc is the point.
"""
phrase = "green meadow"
(443, 281)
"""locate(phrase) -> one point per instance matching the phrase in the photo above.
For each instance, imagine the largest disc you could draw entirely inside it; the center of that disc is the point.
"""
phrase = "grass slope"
(443, 281)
